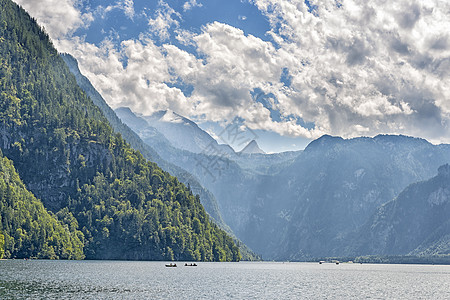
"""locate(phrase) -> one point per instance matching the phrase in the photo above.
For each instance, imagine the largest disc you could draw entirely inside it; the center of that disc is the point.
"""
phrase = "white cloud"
(357, 68)
(234, 64)
(188, 5)
(165, 18)
(59, 17)
(141, 84)
(128, 8)
(375, 65)
(185, 37)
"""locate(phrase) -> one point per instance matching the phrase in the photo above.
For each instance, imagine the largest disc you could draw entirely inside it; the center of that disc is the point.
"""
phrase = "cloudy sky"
(290, 70)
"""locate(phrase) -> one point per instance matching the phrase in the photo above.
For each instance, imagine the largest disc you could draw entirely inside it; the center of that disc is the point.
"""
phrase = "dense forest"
(28, 230)
(67, 154)
(2, 245)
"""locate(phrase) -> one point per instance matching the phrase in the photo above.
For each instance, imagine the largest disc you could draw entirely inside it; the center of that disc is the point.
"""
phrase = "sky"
(288, 70)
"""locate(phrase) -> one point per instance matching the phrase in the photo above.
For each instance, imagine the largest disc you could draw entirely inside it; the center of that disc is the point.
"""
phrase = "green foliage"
(67, 154)
(28, 230)
(145, 213)
(2, 245)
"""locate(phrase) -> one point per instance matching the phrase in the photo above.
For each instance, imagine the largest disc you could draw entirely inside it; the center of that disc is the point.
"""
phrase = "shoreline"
(325, 262)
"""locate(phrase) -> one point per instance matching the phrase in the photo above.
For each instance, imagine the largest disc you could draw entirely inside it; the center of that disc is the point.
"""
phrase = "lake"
(41, 279)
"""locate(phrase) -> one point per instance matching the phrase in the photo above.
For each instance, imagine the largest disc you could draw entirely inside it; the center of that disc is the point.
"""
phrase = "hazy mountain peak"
(127, 116)
(324, 140)
(169, 116)
(124, 110)
(172, 117)
(252, 148)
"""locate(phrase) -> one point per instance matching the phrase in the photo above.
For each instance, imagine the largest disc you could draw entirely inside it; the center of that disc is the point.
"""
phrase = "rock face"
(416, 222)
(444, 171)
(336, 185)
(46, 238)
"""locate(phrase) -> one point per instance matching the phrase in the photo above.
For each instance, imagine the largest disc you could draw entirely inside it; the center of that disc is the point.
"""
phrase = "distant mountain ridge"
(257, 161)
(305, 204)
(335, 186)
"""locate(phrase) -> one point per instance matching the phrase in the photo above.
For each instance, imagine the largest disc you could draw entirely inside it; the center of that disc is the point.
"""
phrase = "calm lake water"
(37, 279)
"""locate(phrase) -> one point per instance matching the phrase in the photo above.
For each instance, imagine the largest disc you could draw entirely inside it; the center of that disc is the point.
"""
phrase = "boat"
(190, 265)
(171, 265)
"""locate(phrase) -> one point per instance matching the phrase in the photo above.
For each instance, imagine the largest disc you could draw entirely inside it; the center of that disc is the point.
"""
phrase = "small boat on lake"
(190, 265)
(171, 265)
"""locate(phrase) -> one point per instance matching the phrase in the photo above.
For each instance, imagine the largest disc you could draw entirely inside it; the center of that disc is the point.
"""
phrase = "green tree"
(2, 245)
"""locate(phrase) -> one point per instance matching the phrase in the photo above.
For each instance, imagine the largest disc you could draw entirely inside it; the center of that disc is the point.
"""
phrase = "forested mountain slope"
(67, 154)
(27, 229)
(207, 198)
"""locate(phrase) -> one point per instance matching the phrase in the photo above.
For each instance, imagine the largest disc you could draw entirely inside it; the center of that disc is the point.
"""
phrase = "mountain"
(304, 204)
(128, 117)
(233, 187)
(68, 155)
(183, 133)
(27, 229)
(207, 198)
(252, 148)
(416, 222)
(333, 187)
(258, 163)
